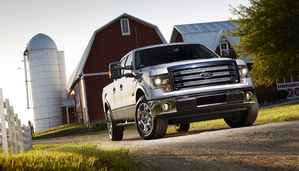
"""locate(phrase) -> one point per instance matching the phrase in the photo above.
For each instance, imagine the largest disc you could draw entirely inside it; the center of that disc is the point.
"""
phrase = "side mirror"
(114, 70)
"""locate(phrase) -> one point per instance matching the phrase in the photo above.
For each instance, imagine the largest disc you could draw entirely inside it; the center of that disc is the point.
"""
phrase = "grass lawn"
(94, 156)
(75, 156)
(60, 128)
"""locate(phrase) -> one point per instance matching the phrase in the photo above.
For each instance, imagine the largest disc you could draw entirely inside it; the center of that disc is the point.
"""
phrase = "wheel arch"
(106, 107)
(106, 104)
(139, 93)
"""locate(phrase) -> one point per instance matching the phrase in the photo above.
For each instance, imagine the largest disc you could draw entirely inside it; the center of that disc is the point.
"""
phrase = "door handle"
(113, 90)
(121, 87)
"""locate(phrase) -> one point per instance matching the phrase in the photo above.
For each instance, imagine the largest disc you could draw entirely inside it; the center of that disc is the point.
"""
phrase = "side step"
(125, 124)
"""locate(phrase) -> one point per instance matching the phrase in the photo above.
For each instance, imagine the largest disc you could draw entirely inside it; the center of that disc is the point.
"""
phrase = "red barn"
(108, 44)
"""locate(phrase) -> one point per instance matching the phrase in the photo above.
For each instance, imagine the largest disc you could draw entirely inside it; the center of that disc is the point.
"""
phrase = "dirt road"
(267, 147)
(272, 147)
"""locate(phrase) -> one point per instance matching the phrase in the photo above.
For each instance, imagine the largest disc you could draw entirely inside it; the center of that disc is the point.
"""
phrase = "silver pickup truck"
(176, 84)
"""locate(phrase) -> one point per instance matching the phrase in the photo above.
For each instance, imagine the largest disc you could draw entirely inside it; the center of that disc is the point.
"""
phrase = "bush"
(271, 95)
(98, 127)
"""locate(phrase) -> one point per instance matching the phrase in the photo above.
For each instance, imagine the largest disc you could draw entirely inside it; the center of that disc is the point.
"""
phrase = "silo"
(43, 68)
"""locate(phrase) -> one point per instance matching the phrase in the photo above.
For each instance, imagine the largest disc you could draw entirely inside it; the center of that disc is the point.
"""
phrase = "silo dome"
(41, 42)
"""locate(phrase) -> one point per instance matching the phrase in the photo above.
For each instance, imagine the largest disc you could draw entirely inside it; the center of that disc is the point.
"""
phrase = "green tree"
(268, 33)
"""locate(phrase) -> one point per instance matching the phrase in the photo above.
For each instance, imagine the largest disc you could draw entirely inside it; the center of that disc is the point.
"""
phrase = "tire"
(148, 126)
(246, 118)
(115, 133)
(182, 127)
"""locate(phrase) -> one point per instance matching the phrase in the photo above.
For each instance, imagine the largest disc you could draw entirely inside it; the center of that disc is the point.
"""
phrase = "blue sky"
(71, 23)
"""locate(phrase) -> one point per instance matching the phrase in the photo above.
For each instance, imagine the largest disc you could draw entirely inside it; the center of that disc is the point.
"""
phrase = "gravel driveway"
(272, 147)
(267, 147)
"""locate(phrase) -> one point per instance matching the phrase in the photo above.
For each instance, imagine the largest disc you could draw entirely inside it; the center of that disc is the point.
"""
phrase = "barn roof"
(208, 34)
(77, 73)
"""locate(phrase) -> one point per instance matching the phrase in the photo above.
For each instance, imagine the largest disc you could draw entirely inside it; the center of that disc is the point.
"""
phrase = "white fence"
(20, 138)
(291, 87)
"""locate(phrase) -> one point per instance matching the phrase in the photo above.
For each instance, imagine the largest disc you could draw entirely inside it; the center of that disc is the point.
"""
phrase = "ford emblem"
(206, 75)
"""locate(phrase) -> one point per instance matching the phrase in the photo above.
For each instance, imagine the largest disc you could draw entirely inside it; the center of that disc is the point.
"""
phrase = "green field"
(96, 156)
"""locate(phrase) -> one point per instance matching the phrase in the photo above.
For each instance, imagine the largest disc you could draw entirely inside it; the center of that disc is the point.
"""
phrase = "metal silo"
(42, 67)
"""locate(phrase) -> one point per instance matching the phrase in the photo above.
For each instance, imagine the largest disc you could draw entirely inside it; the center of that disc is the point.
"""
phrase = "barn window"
(223, 48)
(125, 27)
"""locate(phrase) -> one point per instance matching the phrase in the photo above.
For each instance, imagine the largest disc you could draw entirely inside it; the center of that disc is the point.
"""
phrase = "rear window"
(167, 54)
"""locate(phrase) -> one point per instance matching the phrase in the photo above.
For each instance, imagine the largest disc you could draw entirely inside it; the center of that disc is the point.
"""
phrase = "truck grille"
(204, 76)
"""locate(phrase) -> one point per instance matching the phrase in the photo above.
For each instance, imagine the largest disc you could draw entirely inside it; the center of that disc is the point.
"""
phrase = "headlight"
(243, 72)
(161, 81)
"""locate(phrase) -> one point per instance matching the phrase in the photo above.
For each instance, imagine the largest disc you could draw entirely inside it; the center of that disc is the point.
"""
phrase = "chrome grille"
(205, 76)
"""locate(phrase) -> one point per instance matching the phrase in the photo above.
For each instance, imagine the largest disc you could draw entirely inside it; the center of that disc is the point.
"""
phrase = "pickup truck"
(177, 83)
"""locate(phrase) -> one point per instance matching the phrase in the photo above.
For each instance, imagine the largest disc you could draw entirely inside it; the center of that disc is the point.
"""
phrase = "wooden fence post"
(9, 123)
(3, 121)
(27, 137)
(14, 131)
(20, 135)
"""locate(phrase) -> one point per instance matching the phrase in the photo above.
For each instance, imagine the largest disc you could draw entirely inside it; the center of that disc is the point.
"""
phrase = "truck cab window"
(128, 63)
(122, 64)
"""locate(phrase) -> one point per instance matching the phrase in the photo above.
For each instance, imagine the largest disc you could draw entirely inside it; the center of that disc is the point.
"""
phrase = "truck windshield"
(166, 54)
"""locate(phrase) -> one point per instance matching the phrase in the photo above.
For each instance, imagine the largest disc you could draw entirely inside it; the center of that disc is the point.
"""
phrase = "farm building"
(212, 34)
(107, 44)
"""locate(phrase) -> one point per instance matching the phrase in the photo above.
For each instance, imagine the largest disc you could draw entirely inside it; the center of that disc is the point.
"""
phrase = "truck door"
(127, 92)
(117, 89)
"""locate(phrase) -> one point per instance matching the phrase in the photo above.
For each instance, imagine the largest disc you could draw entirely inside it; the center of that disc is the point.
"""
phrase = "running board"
(125, 124)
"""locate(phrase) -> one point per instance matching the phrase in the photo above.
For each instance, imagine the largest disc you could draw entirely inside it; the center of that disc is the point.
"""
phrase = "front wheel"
(115, 133)
(246, 118)
(148, 126)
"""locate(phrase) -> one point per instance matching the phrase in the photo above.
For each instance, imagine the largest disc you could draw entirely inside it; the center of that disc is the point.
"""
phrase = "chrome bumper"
(236, 100)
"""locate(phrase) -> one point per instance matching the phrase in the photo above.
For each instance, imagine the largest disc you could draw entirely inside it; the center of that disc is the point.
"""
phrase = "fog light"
(249, 95)
(166, 106)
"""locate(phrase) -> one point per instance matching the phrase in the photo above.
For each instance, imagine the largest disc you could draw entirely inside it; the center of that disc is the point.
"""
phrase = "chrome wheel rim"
(144, 118)
(109, 123)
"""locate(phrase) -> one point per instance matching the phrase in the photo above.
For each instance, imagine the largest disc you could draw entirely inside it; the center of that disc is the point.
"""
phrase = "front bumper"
(204, 106)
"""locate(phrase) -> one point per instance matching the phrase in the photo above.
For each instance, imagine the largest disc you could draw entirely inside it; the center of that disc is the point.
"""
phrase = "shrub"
(98, 127)
(271, 95)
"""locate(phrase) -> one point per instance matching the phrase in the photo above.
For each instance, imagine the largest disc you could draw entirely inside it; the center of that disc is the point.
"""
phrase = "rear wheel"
(148, 126)
(115, 133)
(246, 118)
(182, 127)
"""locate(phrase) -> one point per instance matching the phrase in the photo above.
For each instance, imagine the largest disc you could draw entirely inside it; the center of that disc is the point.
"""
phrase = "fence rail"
(18, 138)
(291, 87)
